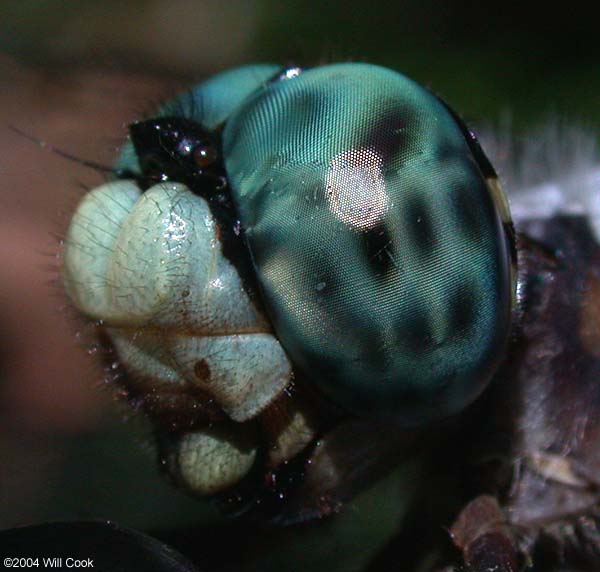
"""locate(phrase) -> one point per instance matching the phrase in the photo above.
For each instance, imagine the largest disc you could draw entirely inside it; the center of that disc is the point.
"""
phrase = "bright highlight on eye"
(356, 190)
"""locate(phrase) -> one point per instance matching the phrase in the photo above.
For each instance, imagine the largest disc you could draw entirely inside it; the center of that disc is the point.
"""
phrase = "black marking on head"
(179, 149)
(379, 250)
(420, 227)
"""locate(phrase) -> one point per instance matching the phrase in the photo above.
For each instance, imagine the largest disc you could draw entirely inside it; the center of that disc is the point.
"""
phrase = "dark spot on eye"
(418, 223)
(468, 215)
(461, 309)
(445, 152)
(414, 333)
(379, 250)
(202, 371)
(376, 352)
(392, 135)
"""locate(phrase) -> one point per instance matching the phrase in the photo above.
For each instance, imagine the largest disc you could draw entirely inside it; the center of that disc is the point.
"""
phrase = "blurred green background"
(75, 72)
(484, 57)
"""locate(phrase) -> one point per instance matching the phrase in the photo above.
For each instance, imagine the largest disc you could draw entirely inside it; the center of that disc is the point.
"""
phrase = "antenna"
(61, 153)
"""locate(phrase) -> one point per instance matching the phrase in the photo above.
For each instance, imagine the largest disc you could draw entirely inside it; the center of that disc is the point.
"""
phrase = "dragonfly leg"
(579, 542)
(483, 535)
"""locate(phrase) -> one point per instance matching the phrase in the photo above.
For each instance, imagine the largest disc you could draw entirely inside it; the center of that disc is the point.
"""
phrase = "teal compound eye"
(362, 212)
(380, 238)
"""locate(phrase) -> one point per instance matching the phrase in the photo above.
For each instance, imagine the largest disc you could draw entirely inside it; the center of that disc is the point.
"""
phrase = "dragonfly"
(511, 476)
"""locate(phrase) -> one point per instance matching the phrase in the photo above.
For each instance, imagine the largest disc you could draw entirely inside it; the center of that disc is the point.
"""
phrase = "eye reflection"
(356, 190)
